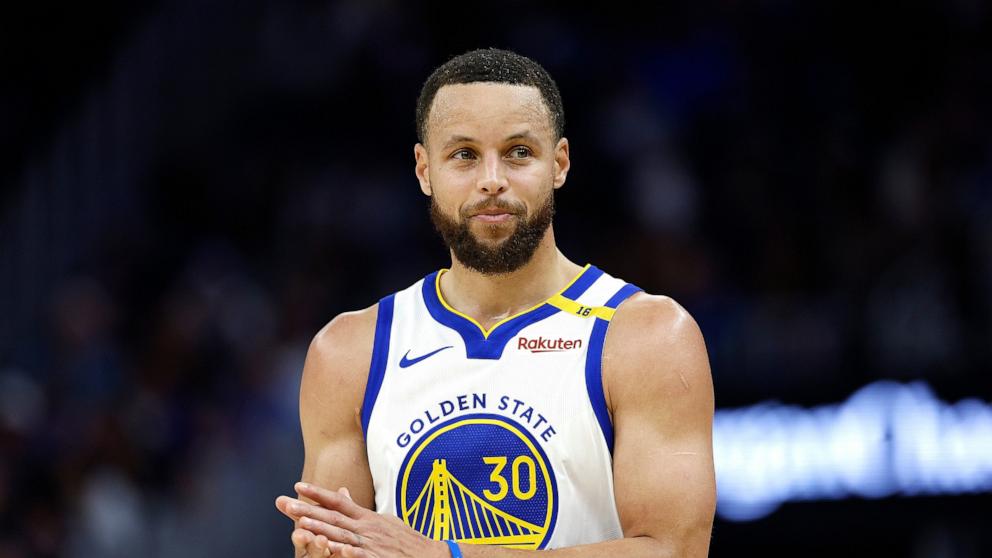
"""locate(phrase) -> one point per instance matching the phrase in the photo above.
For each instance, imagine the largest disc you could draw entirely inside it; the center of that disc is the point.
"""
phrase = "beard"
(500, 257)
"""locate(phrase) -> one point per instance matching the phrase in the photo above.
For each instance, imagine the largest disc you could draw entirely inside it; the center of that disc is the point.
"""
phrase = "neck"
(491, 298)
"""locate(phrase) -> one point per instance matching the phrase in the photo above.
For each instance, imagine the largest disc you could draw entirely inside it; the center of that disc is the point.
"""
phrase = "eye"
(463, 154)
(520, 152)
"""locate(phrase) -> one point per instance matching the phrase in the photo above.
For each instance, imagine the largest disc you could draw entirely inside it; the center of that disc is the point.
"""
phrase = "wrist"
(438, 549)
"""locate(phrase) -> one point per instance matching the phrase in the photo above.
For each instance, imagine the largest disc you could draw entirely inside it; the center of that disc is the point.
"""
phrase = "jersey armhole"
(594, 365)
(380, 354)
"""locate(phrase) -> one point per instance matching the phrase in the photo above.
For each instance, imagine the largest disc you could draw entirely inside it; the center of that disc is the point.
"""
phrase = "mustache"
(502, 205)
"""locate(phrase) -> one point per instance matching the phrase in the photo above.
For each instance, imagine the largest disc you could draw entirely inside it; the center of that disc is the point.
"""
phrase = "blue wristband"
(453, 547)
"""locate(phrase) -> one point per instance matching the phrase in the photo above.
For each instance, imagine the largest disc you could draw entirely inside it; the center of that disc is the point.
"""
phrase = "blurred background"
(191, 189)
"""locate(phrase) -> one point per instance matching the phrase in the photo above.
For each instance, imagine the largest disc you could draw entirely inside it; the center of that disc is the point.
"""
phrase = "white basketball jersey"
(500, 436)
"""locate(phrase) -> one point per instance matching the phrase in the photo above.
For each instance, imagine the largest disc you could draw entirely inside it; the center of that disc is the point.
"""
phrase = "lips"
(492, 211)
(493, 214)
(493, 217)
(502, 209)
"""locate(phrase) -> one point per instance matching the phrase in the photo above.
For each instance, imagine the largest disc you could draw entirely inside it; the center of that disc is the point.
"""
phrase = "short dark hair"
(491, 65)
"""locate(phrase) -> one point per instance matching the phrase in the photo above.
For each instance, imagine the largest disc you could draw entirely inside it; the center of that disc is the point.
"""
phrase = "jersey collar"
(488, 343)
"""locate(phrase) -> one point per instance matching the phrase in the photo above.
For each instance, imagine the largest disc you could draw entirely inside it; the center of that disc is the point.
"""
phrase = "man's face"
(491, 165)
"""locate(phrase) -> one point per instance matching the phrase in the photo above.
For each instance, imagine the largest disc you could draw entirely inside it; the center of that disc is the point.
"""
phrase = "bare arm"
(659, 387)
(331, 394)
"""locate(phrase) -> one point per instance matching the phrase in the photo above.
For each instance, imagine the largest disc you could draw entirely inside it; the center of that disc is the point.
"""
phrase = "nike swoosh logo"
(405, 362)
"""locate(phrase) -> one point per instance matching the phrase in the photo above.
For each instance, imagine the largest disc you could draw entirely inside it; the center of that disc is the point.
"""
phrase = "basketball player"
(517, 400)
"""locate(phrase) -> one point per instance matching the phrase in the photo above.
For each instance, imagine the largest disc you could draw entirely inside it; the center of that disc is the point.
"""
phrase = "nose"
(492, 175)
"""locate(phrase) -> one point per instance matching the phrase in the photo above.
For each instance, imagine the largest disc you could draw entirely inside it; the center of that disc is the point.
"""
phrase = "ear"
(562, 162)
(422, 169)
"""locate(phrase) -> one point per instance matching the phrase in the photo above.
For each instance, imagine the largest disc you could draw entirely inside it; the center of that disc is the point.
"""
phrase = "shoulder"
(345, 335)
(337, 364)
(645, 322)
(654, 348)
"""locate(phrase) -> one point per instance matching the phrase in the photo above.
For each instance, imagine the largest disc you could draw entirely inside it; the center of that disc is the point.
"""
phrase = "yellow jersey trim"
(573, 307)
(487, 332)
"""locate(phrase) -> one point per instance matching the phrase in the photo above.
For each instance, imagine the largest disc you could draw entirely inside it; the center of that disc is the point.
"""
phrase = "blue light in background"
(886, 439)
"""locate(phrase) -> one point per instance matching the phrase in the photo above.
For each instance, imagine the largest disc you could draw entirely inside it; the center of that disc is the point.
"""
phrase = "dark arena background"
(190, 190)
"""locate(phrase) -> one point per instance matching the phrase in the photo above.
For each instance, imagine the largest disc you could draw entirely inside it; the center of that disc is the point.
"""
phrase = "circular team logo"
(479, 479)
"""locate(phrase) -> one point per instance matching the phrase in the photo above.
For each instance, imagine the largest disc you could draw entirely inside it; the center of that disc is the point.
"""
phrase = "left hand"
(360, 532)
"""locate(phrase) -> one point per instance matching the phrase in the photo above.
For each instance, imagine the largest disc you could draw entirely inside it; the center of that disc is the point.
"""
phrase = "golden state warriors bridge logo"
(479, 479)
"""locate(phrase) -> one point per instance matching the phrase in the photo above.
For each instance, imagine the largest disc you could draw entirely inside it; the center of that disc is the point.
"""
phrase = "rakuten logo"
(545, 345)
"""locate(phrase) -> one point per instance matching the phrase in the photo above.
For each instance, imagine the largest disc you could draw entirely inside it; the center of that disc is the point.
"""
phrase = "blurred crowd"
(812, 181)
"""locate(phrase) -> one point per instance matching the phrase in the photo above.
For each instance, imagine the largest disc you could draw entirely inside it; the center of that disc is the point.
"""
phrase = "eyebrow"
(460, 139)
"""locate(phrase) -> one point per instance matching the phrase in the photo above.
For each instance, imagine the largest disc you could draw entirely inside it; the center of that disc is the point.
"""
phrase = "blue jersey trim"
(380, 352)
(594, 365)
(478, 345)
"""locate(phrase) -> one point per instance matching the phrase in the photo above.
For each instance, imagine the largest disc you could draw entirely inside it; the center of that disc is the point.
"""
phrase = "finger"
(294, 508)
(308, 545)
(331, 500)
(283, 504)
(311, 550)
(336, 547)
(327, 547)
(299, 510)
(348, 551)
(321, 548)
(332, 532)
(301, 540)
(344, 490)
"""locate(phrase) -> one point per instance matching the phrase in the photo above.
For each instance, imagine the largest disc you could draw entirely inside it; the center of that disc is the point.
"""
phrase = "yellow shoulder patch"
(573, 307)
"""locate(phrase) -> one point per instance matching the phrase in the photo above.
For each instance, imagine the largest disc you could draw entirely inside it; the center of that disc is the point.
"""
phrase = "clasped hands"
(337, 526)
